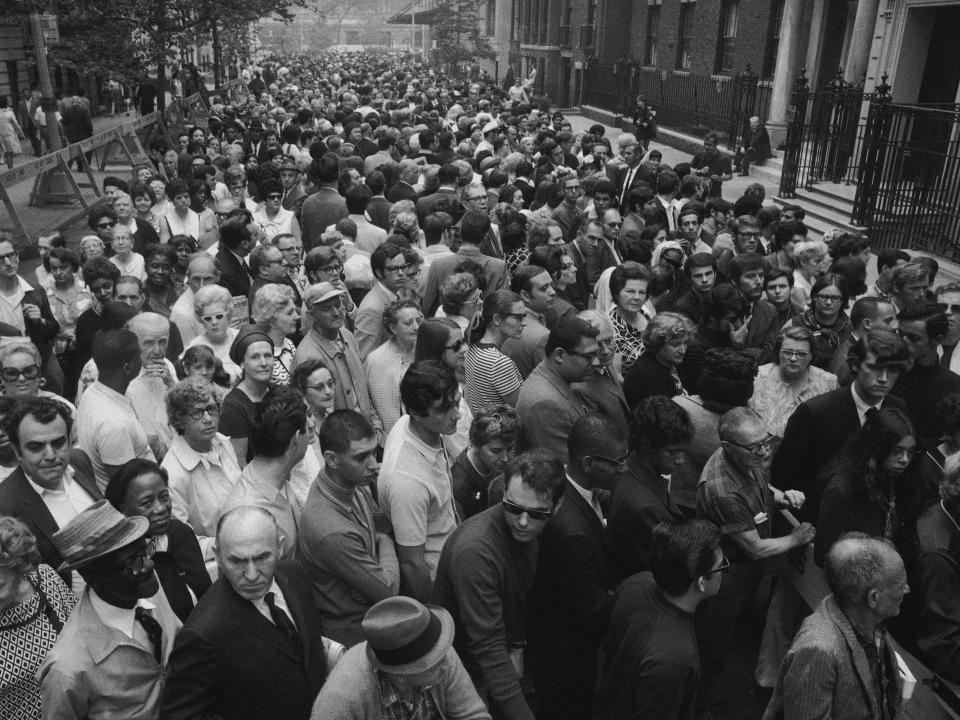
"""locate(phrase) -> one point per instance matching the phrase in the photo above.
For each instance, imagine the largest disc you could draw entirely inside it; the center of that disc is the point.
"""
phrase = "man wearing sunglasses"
(486, 572)
(734, 494)
(575, 577)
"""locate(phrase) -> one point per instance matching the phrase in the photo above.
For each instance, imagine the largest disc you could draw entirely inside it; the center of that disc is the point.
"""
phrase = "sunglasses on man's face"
(515, 509)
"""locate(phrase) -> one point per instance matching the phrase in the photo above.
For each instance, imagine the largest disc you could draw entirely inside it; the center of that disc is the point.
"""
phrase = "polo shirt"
(415, 489)
(256, 490)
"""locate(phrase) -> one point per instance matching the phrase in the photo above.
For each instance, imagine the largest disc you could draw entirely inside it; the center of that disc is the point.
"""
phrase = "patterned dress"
(26, 636)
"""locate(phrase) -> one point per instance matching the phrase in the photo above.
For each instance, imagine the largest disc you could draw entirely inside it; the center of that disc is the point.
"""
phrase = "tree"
(459, 33)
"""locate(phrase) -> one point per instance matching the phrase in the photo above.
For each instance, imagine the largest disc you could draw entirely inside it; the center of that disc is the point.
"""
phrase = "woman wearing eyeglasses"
(826, 318)
(873, 485)
(201, 463)
(318, 385)
(34, 606)
(271, 215)
(442, 339)
(20, 373)
(140, 487)
(782, 385)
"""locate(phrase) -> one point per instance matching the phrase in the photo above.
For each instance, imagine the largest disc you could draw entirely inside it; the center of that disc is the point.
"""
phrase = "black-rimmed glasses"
(723, 567)
(197, 414)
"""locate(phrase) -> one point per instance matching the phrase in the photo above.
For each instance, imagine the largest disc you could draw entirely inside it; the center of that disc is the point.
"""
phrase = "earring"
(42, 382)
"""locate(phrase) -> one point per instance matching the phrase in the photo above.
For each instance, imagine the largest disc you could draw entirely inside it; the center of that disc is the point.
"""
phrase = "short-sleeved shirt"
(415, 490)
(735, 502)
(108, 431)
(490, 376)
(719, 164)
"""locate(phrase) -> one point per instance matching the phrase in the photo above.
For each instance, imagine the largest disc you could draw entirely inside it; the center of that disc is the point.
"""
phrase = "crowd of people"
(386, 395)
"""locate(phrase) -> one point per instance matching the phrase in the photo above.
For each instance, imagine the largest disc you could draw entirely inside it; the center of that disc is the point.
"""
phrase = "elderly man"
(733, 494)
(266, 268)
(148, 391)
(53, 483)
(201, 270)
(350, 562)
(110, 658)
(581, 249)
(415, 485)
(842, 663)
(652, 667)
(547, 405)
(601, 392)
(330, 342)
(406, 661)
(279, 436)
(575, 576)
(253, 646)
(820, 427)
(486, 571)
(108, 429)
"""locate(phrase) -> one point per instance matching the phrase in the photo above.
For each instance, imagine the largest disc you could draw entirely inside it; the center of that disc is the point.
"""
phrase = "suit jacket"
(603, 395)
(620, 177)
(547, 407)
(494, 270)
(579, 293)
(814, 435)
(573, 591)
(322, 209)
(180, 567)
(229, 661)
(379, 211)
(427, 203)
(294, 200)
(826, 672)
(21, 501)
(233, 275)
(263, 152)
(402, 191)
(77, 123)
(760, 144)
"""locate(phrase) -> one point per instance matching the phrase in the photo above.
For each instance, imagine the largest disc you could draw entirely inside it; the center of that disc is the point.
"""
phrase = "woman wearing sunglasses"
(271, 215)
(21, 376)
(213, 306)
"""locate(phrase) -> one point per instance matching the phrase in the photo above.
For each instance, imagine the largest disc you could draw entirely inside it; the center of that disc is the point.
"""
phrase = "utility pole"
(48, 102)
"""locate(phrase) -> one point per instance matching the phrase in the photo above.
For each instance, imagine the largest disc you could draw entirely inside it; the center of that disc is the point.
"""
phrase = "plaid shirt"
(396, 708)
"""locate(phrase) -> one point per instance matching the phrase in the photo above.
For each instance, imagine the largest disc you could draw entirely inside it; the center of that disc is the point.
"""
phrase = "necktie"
(153, 630)
(281, 619)
(626, 185)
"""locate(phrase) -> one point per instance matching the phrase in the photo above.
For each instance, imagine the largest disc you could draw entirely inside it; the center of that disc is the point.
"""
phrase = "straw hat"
(99, 530)
(405, 637)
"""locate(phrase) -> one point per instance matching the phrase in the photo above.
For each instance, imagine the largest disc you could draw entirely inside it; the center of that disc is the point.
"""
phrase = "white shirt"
(278, 600)
(121, 619)
(862, 406)
(11, 309)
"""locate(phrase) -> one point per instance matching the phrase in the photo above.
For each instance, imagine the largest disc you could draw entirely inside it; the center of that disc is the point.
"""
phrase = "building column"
(815, 43)
(861, 40)
(785, 72)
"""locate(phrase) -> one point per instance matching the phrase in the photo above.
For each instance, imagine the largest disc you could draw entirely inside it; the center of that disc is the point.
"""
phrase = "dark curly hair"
(658, 422)
(727, 379)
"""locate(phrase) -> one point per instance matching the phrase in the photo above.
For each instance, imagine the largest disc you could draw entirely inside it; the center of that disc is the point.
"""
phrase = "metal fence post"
(872, 157)
(795, 132)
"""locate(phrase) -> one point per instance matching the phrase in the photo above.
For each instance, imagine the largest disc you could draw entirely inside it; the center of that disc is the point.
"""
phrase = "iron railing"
(909, 189)
(687, 102)
(825, 136)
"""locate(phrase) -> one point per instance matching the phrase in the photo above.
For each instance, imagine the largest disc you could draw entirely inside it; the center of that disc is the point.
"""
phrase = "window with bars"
(653, 32)
(727, 39)
(773, 44)
(685, 40)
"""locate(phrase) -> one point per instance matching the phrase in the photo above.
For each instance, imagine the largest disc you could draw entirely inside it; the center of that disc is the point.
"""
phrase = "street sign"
(51, 30)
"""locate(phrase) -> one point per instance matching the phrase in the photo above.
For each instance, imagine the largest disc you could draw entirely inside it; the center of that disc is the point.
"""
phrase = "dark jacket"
(814, 434)
(573, 590)
(41, 331)
(648, 377)
(229, 661)
(234, 276)
(180, 567)
(19, 499)
(935, 585)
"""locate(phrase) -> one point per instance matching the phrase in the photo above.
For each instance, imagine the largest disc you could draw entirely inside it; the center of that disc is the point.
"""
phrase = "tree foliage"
(459, 33)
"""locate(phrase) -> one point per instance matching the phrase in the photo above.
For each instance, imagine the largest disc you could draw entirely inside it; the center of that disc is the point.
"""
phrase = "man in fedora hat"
(293, 192)
(407, 661)
(109, 659)
(253, 646)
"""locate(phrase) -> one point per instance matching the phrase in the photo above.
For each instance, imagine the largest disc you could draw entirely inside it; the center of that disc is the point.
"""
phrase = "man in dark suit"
(581, 249)
(575, 579)
(379, 207)
(403, 189)
(449, 177)
(253, 646)
(627, 177)
(821, 426)
(237, 239)
(601, 393)
(77, 124)
(756, 149)
(255, 145)
(293, 193)
(53, 484)
(324, 207)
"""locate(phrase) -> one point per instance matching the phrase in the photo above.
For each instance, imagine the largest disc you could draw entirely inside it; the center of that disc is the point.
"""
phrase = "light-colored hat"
(405, 637)
(320, 292)
(99, 530)
(490, 127)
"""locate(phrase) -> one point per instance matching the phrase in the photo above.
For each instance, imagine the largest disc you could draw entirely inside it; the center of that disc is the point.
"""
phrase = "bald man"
(842, 660)
(148, 391)
(253, 646)
(202, 270)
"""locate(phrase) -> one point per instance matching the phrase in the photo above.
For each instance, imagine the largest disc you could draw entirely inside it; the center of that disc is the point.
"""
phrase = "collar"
(110, 393)
(190, 458)
(342, 497)
(65, 483)
(429, 452)
(22, 286)
(391, 296)
(861, 404)
(120, 619)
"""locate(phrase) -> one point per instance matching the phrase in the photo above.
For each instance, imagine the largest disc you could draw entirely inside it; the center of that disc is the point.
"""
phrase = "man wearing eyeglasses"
(110, 657)
(547, 405)
(53, 483)
(575, 576)
(266, 267)
(389, 264)
(735, 495)
(486, 572)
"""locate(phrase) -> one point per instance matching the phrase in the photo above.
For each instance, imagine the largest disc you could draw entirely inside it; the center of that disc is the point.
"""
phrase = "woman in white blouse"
(271, 215)
(179, 219)
(386, 365)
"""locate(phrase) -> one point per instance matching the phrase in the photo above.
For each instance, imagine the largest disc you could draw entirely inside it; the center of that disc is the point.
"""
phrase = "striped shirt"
(490, 376)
